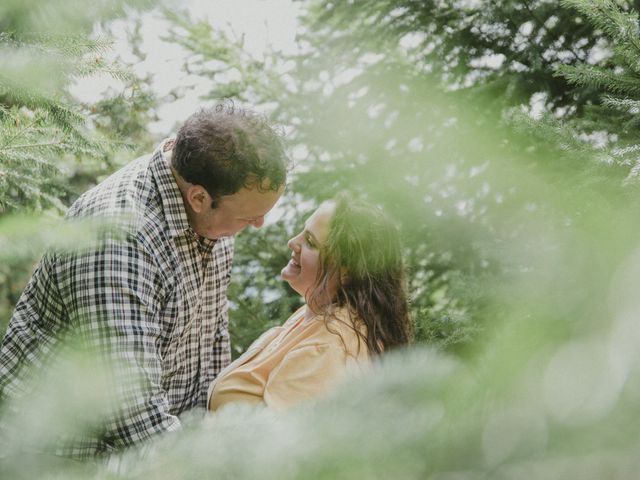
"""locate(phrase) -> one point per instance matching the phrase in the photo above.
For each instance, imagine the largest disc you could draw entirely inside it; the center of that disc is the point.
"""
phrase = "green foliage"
(46, 46)
(614, 18)
(38, 126)
(599, 78)
(510, 48)
(215, 55)
(122, 116)
(618, 84)
(49, 150)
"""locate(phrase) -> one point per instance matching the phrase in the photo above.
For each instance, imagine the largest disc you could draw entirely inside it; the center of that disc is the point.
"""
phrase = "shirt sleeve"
(113, 295)
(304, 373)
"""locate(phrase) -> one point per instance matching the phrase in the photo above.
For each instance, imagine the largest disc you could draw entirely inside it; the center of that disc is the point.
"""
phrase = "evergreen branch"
(27, 145)
(548, 130)
(542, 27)
(74, 46)
(29, 159)
(607, 15)
(95, 65)
(620, 152)
(15, 95)
(69, 46)
(44, 135)
(7, 139)
(600, 78)
(626, 104)
(515, 27)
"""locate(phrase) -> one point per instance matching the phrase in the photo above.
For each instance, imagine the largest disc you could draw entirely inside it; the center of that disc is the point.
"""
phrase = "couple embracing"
(153, 304)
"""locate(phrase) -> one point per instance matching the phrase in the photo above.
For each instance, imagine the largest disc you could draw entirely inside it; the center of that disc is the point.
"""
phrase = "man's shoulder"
(124, 211)
(122, 193)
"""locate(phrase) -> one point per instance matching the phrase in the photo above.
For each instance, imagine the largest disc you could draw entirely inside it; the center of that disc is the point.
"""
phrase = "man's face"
(233, 213)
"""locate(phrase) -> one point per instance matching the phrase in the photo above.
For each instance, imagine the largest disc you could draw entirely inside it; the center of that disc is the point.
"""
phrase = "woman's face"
(302, 270)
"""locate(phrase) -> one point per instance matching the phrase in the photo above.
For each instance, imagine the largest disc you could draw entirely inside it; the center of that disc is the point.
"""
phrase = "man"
(151, 303)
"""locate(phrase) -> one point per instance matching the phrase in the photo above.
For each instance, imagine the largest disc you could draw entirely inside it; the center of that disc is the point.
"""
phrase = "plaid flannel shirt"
(152, 304)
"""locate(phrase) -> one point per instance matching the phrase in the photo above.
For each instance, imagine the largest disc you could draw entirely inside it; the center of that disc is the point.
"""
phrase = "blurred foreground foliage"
(514, 188)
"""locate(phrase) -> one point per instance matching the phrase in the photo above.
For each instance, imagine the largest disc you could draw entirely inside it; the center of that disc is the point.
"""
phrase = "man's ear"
(198, 198)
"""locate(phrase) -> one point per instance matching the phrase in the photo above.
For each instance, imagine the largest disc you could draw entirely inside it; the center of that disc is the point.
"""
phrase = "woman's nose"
(293, 243)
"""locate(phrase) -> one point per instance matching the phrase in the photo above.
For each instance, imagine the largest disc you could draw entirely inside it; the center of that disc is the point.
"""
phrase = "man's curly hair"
(226, 148)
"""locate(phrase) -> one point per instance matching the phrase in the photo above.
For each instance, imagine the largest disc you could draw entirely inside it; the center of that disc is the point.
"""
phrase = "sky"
(262, 22)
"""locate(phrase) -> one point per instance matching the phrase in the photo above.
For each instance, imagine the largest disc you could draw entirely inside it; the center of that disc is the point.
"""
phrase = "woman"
(347, 264)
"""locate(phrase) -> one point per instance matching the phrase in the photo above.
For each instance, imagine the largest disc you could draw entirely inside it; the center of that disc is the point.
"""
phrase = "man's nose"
(258, 222)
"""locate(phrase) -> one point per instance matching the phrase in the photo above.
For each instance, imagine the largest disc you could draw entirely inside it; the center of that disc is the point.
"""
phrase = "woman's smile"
(302, 270)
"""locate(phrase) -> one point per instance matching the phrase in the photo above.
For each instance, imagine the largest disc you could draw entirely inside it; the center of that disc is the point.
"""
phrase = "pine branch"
(625, 104)
(600, 78)
(91, 66)
(541, 26)
(22, 131)
(607, 15)
(73, 46)
(32, 145)
(69, 46)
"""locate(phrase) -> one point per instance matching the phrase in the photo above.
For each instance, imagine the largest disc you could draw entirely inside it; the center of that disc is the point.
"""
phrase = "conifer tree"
(509, 49)
(45, 46)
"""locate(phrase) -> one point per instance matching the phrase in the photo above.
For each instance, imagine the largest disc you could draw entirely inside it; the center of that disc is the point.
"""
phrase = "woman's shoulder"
(339, 328)
(345, 319)
(294, 317)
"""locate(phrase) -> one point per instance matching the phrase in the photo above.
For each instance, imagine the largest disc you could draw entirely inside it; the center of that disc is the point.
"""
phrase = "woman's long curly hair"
(362, 256)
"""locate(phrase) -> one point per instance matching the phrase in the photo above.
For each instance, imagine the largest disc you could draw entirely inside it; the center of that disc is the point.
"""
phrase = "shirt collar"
(172, 202)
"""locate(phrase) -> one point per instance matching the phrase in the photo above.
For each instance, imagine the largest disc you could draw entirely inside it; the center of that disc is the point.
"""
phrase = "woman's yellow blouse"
(296, 361)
